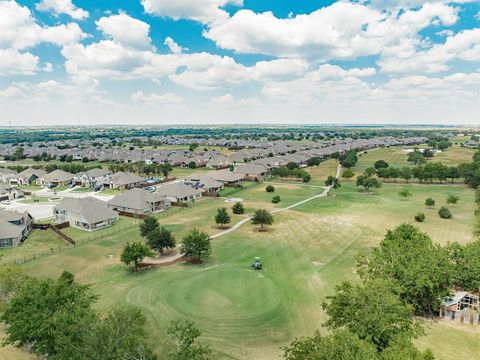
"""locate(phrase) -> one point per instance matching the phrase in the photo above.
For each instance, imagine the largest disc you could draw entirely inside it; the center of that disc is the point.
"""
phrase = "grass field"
(245, 314)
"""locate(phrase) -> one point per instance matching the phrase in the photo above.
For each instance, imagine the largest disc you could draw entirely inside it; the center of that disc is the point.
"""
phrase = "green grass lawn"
(322, 172)
(109, 192)
(245, 314)
(42, 199)
(81, 189)
(38, 242)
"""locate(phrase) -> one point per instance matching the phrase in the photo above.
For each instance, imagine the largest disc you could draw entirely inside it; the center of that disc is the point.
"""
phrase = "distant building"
(124, 180)
(139, 202)
(178, 192)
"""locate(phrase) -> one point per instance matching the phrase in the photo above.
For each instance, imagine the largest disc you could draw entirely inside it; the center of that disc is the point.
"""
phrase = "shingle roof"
(177, 190)
(91, 209)
(137, 199)
(123, 178)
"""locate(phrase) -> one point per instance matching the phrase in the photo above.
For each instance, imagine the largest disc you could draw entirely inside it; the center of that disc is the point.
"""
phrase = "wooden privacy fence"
(56, 228)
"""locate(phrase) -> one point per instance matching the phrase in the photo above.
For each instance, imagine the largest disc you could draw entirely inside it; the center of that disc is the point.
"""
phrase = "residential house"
(226, 177)
(203, 183)
(124, 180)
(86, 213)
(92, 178)
(253, 172)
(14, 227)
(57, 178)
(6, 175)
(178, 192)
(139, 202)
(30, 176)
(8, 192)
(219, 162)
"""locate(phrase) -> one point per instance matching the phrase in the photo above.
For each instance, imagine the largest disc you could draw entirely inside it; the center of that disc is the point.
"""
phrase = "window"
(6, 242)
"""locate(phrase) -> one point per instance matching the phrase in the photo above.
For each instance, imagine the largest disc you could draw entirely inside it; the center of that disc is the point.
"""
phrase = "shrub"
(238, 208)
(444, 213)
(420, 217)
(429, 202)
(452, 199)
(270, 188)
(276, 199)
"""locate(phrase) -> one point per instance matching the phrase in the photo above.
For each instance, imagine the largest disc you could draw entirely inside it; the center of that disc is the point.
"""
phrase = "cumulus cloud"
(19, 31)
(157, 99)
(126, 30)
(342, 30)
(58, 7)
(204, 11)
(172, 45)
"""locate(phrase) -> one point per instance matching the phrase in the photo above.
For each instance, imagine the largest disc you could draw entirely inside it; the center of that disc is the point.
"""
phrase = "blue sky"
(233, 62)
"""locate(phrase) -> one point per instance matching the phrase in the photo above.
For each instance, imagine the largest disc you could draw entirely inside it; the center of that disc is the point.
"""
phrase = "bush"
(238, 208)
(270, 188)
(429, 202)
(444, 213)
(420, 217)
(276, 199)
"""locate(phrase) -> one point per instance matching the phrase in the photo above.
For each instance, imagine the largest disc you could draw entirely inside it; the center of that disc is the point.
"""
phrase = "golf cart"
(257, 265)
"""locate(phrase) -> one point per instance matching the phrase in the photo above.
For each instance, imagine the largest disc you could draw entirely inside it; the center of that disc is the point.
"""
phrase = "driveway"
(38, 211)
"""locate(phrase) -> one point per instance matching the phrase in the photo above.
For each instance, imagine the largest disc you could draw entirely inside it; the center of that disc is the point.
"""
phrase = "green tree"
(196, 246)
(262, 217)
(276, 199)
(368, 183)
(369, 172)
(405, 193)
(416, 158)
(452, 199)
(185, 335)
(380, 164)
(419, 270)
(372, 310)
(444, 213)
(466, 260)
(134, 253)
(47, 315)
(314, 161)
(222, 218)
(148, 225)
(348, 174)
(406, 173)
(340, 345)
(430, 202)
(270, 188)
(402, 349)
(333, 182)
(238, 208)
(192, 165)
(160, 239)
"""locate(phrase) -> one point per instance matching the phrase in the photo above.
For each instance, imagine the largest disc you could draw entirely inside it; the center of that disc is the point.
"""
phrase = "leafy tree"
(380, 164)
(270, 188)
(148, 225)
(429, 202)
(46, 315)
(340, 345)
(333, 182)
(444, 213)
(369, 172)
(160, 239)
(348, 174)
(420, 217)
(419, 270)
(314, 161)
(192, 147)
(134, 253)
(192, 165)
(453, 173)
(372, 310)
(222, 218)
(120, 335)
(368, 183)
(406, 173)
(402, 348)
(428, 153)
(349, 159)
(466, 259)
(416, 158)
(276, 199)
(185, 334)
(238, 208)
(262, 217)
(477, 196)
(452, 199)
(292, 165)
(196, 246)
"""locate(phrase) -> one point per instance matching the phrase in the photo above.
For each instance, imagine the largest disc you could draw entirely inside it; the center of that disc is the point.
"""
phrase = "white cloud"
(12, 92)
(229, 100)
(58, 7)
(172, 45)
(19, 31)
(342, 30)
(126, 30)
(157, 99)
(464, 45)
(204, 11)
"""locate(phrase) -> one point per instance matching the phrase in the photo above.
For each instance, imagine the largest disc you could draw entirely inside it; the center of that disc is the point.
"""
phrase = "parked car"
(150, 189)
(98, 188)
(5, 202)
(51, 186)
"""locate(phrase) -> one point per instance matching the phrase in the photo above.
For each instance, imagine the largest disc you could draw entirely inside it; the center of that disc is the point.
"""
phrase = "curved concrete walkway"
(175, 258)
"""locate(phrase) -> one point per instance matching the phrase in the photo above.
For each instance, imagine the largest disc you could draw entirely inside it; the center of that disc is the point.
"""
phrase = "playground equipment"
(257, 265)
